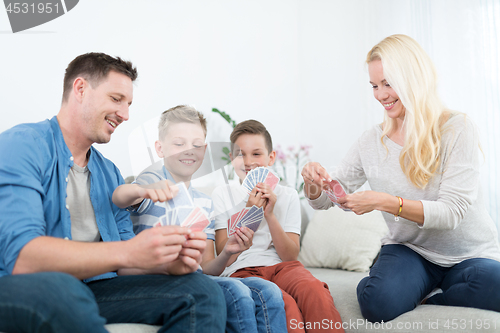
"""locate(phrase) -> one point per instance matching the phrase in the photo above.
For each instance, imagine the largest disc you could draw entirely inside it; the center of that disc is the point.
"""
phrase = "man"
(59, 224)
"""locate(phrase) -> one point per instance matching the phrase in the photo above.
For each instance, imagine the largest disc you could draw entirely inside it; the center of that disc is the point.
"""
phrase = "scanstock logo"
(26, 14)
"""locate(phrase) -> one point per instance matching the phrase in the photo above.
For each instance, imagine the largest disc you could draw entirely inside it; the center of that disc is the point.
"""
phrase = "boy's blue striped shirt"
(148, 213)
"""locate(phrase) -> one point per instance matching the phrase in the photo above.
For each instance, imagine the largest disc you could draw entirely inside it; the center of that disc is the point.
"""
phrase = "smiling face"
(182, 149)
(105, 106)
(383, 91)
(250, 152)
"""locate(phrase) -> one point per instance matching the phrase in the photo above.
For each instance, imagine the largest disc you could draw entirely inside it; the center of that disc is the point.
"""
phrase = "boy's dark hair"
(94, 67)
(251, 127)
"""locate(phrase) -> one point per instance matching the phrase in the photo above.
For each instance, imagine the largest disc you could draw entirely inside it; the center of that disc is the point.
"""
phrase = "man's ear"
(231, 156)
(158, 149)
(79, 87)
(272, 158)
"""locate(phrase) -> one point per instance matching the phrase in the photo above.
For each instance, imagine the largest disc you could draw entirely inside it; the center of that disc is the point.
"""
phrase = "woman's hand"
(361, 202)
(314, 179)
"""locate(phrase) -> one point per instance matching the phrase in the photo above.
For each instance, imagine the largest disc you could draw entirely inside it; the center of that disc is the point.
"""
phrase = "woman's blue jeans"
(253, 305)
(57, 302)
(401, 278)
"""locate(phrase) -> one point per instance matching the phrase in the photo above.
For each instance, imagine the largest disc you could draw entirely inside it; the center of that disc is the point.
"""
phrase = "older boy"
(273, 255)
(253, 305)
(58, 225)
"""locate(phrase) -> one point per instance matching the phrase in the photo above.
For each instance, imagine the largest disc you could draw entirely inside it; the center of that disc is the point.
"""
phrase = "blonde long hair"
(411, 73)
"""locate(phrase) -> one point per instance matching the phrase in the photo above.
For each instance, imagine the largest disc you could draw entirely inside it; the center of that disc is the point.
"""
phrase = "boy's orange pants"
(308, 303)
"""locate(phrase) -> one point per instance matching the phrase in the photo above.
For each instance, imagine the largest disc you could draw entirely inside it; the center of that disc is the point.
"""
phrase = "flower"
(289, 164)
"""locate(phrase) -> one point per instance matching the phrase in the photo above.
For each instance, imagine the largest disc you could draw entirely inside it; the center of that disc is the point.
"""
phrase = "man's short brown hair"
(251, 127)
(94, 67)
(180, 114)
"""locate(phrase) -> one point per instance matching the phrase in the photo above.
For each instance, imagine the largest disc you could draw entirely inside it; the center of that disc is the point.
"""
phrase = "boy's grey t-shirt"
(83, 223)
(149, 213)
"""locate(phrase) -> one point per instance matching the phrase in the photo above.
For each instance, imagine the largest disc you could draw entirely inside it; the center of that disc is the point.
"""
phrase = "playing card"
(272, 180)
(234, 221)
(260, 175)
(253, 225)
(182, 199)
(337, 189)
(184, 214)
(334, 192)
(247, 217)
(197, 220)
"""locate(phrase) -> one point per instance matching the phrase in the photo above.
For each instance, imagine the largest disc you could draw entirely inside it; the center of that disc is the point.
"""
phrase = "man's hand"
(190, 256)
(155, 247)
(240, 241)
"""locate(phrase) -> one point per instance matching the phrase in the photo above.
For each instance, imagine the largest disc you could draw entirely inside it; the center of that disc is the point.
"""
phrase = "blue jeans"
(186, 303)
(253, 305)
(46, 303)
(401, 278)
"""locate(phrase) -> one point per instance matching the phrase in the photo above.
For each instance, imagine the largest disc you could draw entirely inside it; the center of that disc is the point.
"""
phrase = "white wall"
(296, 65)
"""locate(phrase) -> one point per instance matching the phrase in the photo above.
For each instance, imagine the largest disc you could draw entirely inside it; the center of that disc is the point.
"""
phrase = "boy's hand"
(255, 198)
(269, 196)
(240, 241)
(190, 256)
(161, 191)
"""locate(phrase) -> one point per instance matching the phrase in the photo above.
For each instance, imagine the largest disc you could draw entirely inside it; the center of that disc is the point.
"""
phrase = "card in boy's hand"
(247, 217)
(260, 175)
(181, 199)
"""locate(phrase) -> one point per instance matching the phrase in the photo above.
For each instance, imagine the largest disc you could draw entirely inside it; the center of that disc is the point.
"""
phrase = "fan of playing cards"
(334, 192)
(260, 175)
(249, 217)
(180, 210)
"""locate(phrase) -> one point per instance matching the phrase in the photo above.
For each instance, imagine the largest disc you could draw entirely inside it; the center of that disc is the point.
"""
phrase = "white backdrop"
(296, 65)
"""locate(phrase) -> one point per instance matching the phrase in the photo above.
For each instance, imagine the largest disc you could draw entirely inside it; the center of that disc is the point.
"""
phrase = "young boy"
(251, 303)
(273, 255)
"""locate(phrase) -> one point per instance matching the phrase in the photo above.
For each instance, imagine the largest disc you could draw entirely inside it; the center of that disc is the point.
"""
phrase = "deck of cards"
(260, 175)
(249, 217)
(335, 191)
(180, 210)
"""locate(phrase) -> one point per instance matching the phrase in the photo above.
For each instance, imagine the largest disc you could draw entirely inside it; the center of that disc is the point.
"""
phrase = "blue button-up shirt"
(34, 167)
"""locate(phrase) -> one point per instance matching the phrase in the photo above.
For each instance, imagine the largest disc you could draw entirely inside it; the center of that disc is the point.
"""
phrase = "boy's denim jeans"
(57, 302)
(253, 305)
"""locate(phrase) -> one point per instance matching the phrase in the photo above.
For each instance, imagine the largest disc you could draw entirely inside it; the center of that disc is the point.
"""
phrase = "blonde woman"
(422, 164)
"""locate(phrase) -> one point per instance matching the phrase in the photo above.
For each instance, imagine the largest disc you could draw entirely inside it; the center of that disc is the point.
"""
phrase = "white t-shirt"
(230, 199)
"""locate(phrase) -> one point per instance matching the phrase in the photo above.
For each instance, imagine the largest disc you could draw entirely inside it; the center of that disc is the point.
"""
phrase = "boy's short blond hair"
(180, 114)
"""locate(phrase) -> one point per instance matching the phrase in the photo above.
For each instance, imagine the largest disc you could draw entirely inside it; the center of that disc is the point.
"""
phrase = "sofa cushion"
(338, 239)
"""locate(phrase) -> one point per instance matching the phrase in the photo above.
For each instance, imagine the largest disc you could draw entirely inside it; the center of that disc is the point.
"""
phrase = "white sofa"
(425, 318)
(342, 247)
